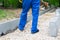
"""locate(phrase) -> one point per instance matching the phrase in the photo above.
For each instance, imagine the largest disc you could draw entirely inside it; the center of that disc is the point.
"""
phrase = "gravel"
(43, 34)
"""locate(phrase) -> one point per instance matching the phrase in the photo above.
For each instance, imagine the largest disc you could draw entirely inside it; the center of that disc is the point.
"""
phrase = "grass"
(2, 14)
(6, 14)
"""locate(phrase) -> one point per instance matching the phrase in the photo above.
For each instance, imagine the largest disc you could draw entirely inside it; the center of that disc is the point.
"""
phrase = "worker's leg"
(35, 13)
(23, 18)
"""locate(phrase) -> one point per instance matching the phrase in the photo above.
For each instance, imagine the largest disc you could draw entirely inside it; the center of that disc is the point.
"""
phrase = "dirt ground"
(17, 13)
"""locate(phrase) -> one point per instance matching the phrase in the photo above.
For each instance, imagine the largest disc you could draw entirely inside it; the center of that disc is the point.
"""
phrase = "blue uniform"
(35, 13)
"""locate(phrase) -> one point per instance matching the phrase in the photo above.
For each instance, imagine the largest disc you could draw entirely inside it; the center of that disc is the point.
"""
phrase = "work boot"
(35, 32)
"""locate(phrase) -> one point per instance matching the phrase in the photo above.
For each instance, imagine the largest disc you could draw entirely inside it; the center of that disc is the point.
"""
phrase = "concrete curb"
(8, 26)
(54, 25)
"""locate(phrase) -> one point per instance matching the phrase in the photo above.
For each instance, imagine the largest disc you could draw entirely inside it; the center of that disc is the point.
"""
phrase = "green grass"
(6, 14)
(2, 14)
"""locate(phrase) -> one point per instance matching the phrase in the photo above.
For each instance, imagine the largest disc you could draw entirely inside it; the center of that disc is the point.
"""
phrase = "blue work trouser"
(35, 13)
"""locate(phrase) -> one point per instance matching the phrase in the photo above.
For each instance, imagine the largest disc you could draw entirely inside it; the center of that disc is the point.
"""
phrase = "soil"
(17, 13)
(11, 14)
